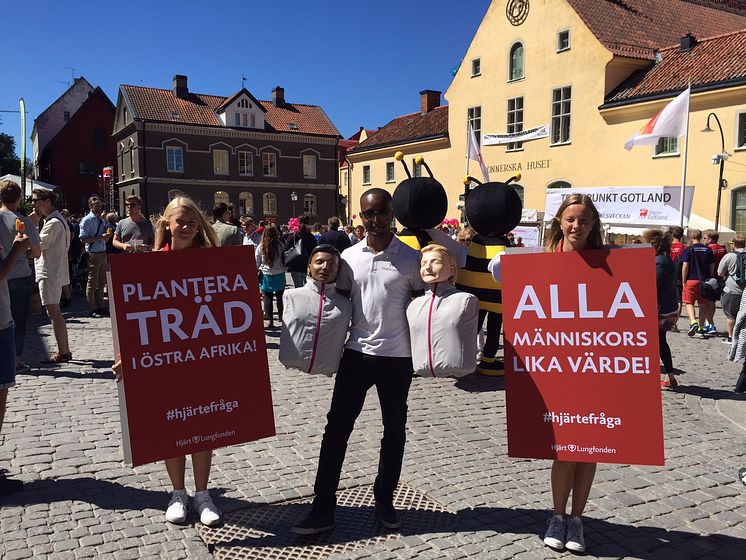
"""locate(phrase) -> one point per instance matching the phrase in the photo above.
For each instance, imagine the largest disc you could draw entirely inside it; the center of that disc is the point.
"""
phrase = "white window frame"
(309, 166)
(309, 204)
(512, 78)
(366, 171)
(666, 147)
(517, 125)
(416, 168)
(740, 129)
(174, 150)
(246, 164)
(474, 117)
(269, 204)
(132, 157)
(476, 67)
(269, 164)
(221, 197)
(561, 117)
(390, 172)
(559, 48)
(220, 163)
(246, 203)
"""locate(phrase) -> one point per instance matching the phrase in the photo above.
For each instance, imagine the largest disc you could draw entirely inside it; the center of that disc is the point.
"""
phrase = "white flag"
(670, 122)
(476, 155)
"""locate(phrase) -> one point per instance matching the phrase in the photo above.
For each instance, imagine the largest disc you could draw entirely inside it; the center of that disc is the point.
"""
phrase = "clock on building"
(517, 11)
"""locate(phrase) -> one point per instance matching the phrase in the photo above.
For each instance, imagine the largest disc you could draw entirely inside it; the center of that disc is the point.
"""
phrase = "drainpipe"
(349, 182)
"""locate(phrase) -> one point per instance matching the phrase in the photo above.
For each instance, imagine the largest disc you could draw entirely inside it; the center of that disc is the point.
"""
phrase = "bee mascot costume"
(492, 209)
(420, 204)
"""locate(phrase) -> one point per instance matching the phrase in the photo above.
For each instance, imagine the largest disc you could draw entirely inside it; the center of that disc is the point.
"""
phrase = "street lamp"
(294, 198)
(718, 159)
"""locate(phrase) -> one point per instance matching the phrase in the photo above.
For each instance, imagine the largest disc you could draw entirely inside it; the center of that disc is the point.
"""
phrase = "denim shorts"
(7, 357)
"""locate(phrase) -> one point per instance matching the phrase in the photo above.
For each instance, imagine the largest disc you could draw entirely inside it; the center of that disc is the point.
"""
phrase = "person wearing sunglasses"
(134, 234)
(382, 275)
(52, 271)
(94, 232)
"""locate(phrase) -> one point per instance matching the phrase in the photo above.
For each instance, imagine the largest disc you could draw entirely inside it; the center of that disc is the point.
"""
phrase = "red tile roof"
(636, 28)
(407, 129)
(156, 104)
(719, 61)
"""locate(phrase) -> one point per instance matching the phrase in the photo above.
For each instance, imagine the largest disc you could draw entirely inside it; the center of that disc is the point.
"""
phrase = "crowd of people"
(373, 286)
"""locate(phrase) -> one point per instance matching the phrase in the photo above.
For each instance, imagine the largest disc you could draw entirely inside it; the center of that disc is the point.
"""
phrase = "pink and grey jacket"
(315, 322)
(443, 332)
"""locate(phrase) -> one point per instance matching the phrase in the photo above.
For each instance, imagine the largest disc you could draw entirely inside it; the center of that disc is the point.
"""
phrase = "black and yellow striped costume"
(475, 279)
(414, 238)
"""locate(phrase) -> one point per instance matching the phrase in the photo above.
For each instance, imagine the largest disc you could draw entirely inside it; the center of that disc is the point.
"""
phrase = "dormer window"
(245, 119)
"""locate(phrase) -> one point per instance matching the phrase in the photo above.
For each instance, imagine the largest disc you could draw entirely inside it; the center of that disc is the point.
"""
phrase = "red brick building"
(75, 157)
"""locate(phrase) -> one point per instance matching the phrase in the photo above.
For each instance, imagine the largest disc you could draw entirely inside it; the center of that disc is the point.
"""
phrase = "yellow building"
(594, 71)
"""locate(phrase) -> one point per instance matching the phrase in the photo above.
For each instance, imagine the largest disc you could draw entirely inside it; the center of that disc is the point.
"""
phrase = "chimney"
(278, 96)
(429, 100)
(688, 42)
(180, 87)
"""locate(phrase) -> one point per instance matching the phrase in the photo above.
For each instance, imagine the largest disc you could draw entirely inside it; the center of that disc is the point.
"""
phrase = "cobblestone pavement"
(62, 438)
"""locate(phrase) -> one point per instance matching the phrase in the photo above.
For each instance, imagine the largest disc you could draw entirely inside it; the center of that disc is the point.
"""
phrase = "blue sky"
(364, 62)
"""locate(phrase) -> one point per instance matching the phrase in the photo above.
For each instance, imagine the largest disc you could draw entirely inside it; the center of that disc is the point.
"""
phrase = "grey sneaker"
(178, 507)
(555, 535)
(208, 512)
(575, 540)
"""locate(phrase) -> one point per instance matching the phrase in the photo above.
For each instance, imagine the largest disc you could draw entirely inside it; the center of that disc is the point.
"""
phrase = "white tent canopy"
(695, 221)
(30, 183)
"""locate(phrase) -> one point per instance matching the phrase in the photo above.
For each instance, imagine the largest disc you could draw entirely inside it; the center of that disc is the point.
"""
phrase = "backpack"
(740, 275)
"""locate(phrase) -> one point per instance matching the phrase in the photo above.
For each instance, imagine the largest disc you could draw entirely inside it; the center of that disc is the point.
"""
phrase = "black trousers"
(357, 373)
(494, 326)
(665, 352)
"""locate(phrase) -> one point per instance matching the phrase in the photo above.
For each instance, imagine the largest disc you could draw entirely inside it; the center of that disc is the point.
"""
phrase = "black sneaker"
(95, 314)
(388, 515)
(702, 333)
(693, 328)
(315, 522)
(103, 312)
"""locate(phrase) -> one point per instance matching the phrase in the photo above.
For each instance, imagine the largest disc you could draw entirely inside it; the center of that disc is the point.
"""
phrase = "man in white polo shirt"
(382, 275)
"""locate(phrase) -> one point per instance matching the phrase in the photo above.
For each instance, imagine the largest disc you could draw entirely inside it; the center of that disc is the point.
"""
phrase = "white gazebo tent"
(31, 184)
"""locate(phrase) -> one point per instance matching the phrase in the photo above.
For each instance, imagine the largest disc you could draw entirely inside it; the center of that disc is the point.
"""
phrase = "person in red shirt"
(184, 227)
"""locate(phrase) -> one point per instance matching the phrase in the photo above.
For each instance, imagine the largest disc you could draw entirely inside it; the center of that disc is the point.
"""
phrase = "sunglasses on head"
(371, 214)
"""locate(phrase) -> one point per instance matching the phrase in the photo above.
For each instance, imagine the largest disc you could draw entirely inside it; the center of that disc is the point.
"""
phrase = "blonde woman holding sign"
(183, 226)
(575, 227)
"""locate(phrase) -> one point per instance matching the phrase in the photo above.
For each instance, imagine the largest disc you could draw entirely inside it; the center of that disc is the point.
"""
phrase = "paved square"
(62, 438)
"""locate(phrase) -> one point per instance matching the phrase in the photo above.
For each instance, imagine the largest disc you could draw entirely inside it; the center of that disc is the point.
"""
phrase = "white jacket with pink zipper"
(443, 331)
(315, 322)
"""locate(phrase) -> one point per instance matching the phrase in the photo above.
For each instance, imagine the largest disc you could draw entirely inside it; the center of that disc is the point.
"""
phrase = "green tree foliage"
(9, 161)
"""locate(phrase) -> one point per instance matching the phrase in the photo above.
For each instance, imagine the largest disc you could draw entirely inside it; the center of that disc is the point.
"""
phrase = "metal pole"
(722, 163)
(23, 145)
(683, 166)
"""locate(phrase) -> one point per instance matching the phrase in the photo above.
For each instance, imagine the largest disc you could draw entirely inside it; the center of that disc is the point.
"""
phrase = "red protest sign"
(581, 356)
(188, 326)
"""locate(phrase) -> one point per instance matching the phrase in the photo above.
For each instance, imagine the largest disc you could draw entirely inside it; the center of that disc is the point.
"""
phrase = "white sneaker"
(208, 512)
(575, 540)
(178, 507)
(555, 535)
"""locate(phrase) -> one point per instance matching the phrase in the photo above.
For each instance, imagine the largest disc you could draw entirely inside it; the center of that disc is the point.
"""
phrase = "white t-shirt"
(55, 242)
(381, 286)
